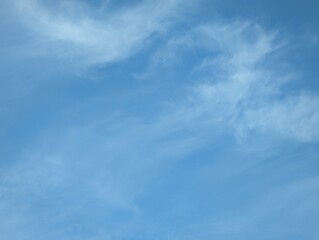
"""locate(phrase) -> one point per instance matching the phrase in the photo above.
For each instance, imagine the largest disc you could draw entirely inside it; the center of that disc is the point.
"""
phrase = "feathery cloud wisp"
(111, 38)
(245, 89)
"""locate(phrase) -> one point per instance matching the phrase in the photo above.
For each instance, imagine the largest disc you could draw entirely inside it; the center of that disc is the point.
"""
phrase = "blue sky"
(159, 120)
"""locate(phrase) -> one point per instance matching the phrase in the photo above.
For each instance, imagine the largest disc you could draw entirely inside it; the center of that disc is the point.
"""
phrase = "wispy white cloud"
(243, 88)
(295, 116)
(77, 32)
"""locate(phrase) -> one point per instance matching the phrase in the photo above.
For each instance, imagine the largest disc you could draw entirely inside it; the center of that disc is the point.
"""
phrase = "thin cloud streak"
(98, 40)
(245, 89)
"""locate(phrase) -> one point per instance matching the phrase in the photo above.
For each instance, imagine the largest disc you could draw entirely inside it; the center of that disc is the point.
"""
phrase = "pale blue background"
(127, 120)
